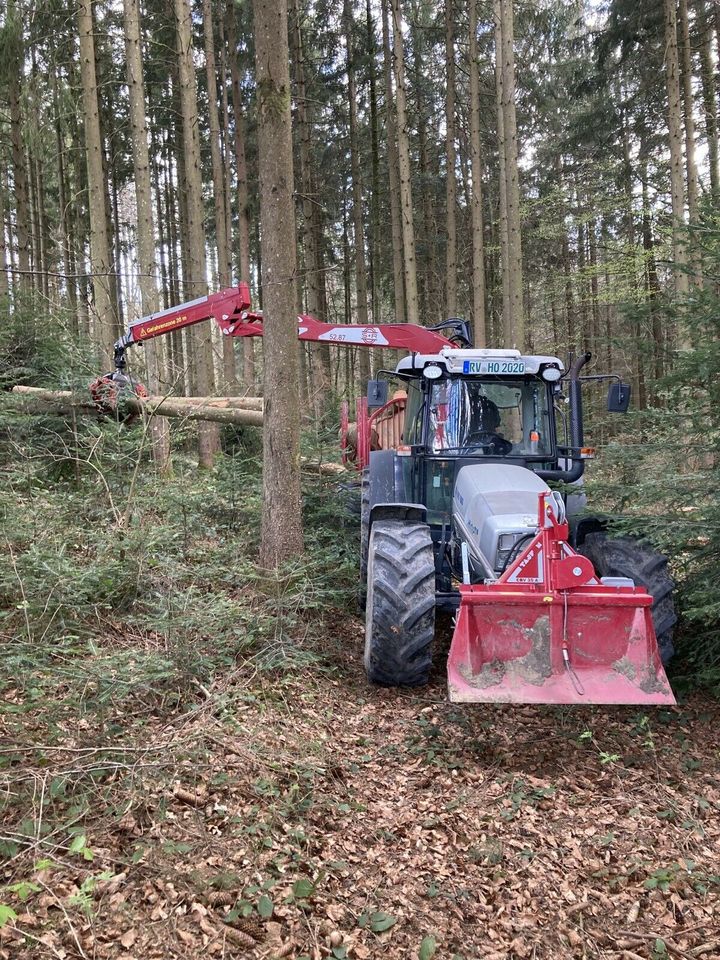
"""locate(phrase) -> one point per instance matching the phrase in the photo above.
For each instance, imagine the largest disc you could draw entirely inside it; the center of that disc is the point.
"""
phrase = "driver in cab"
(483, 428)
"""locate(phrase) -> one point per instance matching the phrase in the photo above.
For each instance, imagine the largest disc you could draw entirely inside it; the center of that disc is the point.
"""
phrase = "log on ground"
(187, 408)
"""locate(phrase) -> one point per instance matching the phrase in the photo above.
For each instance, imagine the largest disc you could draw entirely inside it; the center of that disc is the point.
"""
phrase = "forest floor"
(221, 781)
(306, 815)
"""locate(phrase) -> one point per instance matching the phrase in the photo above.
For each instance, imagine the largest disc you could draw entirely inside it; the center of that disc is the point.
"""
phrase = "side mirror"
(618, 399)
(377, 394)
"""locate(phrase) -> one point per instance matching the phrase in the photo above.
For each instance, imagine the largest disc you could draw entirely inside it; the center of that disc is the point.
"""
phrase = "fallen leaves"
(323, 819)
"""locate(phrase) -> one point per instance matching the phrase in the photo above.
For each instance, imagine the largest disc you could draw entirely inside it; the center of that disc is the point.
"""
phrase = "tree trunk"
(688, 111)
(478, 229)
(676, 153)
(514, 329)
(64, 213)
(709, 101)
(406, 208)
(371, 55)
(312, 224)
(4, 280)
(145, 221)
(652, 284)
(393, 174)
(248, 376)
(281, 518)
(450, 157)
(196, 281)
(221, 236)
(15, 75)
(686, 73)
(502, 179)
(100, 258)
(217, 410)
(357, 200)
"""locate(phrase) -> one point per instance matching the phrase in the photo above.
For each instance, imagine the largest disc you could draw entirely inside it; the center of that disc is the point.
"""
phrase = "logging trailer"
(457, 514)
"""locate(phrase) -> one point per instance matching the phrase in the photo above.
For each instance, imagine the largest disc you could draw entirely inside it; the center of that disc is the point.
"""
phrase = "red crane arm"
(231, 310)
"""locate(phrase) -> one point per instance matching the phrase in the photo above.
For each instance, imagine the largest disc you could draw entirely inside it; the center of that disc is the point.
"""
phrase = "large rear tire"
(624, 557)
(400, 612)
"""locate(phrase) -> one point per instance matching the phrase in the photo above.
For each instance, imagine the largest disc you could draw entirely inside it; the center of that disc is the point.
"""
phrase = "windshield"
(491, 418)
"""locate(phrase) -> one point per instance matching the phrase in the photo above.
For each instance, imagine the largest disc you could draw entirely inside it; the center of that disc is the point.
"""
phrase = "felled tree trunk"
(244, 411)
(239, 410)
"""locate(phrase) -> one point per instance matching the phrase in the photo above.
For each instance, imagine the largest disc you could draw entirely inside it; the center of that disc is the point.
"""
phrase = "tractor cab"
(459, 405)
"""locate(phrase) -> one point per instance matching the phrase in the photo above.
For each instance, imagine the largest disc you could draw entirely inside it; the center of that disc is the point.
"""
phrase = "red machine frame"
(533, 635)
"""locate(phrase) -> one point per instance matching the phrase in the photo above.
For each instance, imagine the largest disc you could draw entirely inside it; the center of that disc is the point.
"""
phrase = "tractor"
(457, 514)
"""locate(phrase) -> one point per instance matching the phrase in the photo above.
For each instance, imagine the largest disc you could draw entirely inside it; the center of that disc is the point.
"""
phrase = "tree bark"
(248, 376)
(371, 55)
(357, 199)
(221, 236)
(709, 101)
(672, 81)
(160, 435)
(502, 179)
(100, 258)
(688, 112)
(431, 302)
(406, 208)
(450, 158)
(686, 73)
(200, 335)
(64, 212)
(514, 328)
(478, 227)
(311, 216)
(4, 279)
(188, 408)
(393, 174)
(281, 517)
(15, 75)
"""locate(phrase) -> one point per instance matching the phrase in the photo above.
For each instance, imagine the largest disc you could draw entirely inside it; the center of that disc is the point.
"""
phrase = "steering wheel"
(490, 442)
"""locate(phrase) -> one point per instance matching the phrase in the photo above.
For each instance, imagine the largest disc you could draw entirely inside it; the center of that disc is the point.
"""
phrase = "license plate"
(501, 367)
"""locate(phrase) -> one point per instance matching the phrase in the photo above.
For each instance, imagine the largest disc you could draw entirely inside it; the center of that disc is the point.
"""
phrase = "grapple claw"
(111, 390)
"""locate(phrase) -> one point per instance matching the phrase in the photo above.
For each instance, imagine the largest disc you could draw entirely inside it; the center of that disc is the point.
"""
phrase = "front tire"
(624, 557)
(400, 611)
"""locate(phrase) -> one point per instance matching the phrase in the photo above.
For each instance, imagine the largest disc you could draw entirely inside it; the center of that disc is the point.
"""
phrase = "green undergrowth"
(117, 586)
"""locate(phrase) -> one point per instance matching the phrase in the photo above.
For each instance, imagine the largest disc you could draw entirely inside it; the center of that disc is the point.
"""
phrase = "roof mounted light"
(432, 371)
(551, 374)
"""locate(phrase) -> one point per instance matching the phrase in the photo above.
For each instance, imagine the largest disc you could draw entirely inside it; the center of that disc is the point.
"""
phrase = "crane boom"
(230, 309)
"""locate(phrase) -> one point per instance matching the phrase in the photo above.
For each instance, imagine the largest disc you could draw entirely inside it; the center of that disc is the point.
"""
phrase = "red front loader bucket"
(550, 631)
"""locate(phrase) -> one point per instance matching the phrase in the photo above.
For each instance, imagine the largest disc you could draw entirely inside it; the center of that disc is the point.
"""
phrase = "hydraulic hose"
(576, 424)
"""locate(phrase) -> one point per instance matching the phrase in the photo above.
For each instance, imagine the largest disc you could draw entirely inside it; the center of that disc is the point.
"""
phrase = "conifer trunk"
(450, 181)
(20, 176)
(403, 137)
(478, 227)
(514, 329)
(677, 188)
(393, 173)
(281, 522)
(248, 365)
(709, 100)
(312, 224)
(357, 198)
(218, 178)
(196, 280)
(4, 279)
(100, 256)
(502, 179)
(159, 433)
